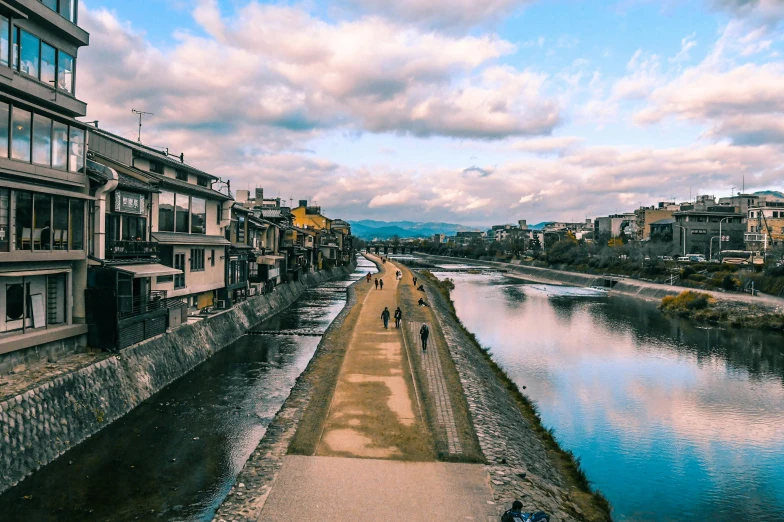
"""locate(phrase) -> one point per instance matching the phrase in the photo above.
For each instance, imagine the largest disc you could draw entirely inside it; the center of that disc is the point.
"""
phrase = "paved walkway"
(375, 458)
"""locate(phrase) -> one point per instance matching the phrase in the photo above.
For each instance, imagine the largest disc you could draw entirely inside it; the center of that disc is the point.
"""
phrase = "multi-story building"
(701, 226)
(765, 226)
(743, 202)
(467, 237)
(44, 189)
(188, 217)
(647, 215)
(616, 225)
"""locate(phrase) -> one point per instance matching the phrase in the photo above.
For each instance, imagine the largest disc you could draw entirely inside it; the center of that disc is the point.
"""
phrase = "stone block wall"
(42, 423)
(50, 352)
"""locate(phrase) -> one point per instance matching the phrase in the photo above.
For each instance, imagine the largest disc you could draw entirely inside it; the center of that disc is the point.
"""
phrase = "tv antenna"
(141, 113)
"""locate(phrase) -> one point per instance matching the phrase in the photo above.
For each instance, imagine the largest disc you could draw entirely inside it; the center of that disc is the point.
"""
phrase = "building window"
(212, 258)
(60, 223)
(5, 41)
(240, 228)
(5, 114)
(181, 175)
(202, 181)
(65, 72)
(77, 225)
(48, 64)
(42, 223)
(182, 213)
(29, 53)
(156, 167)
(198, 216)
(59, 145)
(166, 211)
(179, 264)
(5, 211)
(42, 140)
(66, 8)
(24, 220)
(76, 157)
(197, 259)
(21, 129)
(134, 228)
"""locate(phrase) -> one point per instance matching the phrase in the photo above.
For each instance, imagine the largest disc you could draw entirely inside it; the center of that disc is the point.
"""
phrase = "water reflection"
(672, 421)
(176, 456)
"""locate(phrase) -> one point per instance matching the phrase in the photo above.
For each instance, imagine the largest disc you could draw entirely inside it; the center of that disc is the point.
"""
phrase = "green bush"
(730, 283)
(685, 301)
(687, 271)
(697, 277)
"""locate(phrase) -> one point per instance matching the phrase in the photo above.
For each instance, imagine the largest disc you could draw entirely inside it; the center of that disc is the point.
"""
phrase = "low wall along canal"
(177, 453)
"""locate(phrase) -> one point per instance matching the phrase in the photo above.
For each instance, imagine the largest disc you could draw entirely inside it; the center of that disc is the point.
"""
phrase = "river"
(176, 455)
(672, 421)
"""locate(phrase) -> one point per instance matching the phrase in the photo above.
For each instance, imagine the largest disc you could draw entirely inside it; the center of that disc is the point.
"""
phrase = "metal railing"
(141, 304)
(119, 248)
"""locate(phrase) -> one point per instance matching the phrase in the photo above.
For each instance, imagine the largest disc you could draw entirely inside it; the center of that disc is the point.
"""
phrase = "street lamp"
(684, 237)
(720, 237)
(710, 255)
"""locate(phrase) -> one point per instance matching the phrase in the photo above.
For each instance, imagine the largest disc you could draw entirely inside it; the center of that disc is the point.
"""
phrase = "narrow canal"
(176, 456)
(671, 420)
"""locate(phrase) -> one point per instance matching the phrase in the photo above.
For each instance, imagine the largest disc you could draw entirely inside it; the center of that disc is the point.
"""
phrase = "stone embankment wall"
(45, 421)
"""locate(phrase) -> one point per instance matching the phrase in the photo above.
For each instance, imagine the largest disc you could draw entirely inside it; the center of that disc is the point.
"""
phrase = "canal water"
(672, 421)
(176, 456)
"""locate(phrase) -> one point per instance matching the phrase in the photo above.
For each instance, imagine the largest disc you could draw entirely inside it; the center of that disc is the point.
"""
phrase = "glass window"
(133, 228)
(20, 128)
(15, 53)
(29, 54)
(198, 216)
(5, 110)
(76, 157)
(59, 145)
(42, 222)
(60, 224)
(48, 64)
(112, 228)
(5, 35)
(42, 140)
(68, 10)
(181, 175)
(65, 72)
(156, 167)
(181, 218)
(166, 211)
(77, 225)
(5, 210)
(23, 220)
(51, 4)
(240, 228)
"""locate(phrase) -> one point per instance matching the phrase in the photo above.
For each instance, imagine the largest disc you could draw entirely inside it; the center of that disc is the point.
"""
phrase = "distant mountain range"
(370, 229)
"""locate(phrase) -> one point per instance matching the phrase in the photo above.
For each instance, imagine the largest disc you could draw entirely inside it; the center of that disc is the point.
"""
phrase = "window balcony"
(131, 249)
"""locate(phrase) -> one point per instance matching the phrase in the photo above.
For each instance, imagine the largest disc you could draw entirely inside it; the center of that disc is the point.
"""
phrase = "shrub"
(697, 277)
(687, 271)
(685, 302)
(730, 283)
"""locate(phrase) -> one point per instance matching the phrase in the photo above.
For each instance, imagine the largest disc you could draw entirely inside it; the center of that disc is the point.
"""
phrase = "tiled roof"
(184, 185)
(125, 181)
(270, 213)
(179, 238)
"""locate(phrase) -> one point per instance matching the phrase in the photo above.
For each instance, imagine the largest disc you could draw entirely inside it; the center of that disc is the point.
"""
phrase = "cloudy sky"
(477, 112)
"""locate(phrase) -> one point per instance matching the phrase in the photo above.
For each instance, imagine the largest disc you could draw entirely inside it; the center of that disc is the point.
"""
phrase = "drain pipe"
(99, 217)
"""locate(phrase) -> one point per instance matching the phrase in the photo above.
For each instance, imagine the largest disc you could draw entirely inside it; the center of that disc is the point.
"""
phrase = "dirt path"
(374, 411)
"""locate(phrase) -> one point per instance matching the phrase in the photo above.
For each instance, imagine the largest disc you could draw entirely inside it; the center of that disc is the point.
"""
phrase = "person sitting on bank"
(516, 514)
(421, 288)
(422, 302)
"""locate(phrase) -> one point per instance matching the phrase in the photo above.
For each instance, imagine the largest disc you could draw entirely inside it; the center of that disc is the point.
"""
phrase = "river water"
(176, 456)
(671, 421)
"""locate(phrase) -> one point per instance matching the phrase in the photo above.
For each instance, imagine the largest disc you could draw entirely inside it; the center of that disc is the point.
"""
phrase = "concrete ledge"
(42, 336)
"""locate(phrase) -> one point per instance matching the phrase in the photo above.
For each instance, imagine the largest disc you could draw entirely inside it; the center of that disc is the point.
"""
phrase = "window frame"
(197, 260)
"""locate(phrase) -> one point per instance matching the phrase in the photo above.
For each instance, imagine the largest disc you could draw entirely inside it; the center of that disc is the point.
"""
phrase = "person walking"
(368, 277)
(415, 280)
(376, 283)
(398, 317)
(424, 333)
(385, 317)
(381, 284)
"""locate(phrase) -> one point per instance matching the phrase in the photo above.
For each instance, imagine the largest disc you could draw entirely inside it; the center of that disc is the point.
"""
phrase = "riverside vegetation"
(703, 307)
(594, 502)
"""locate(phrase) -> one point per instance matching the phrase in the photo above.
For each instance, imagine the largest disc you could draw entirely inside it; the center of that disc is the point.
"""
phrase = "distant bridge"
(391, 249)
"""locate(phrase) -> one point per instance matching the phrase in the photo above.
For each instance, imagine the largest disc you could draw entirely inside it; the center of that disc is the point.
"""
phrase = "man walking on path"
(381, 284)
(368, 277)
(385, 317)
(398, 317)
(424, 333)
(415, 280)
(376, 283)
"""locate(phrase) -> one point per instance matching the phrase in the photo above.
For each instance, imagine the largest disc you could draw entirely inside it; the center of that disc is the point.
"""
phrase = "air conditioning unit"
(220, 303)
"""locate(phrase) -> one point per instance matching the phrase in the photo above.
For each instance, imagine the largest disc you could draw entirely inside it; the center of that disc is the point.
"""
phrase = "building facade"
(701, 226)
(44, 188)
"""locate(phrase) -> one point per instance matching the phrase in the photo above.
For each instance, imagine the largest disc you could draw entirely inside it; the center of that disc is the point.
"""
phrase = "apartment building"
(44, 189)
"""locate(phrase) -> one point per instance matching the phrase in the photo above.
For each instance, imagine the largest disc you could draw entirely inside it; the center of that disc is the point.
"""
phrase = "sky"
(476, 112)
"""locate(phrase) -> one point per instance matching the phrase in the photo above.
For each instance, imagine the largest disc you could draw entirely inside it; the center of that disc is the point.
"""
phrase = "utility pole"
(141, 113)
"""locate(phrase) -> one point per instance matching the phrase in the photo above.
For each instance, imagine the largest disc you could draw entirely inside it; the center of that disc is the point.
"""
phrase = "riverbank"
(56, 408)
(524, 460)
(731, 309)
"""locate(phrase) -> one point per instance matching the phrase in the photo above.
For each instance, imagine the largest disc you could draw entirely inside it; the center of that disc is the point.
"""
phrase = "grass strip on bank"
(702, 307)
(590, 500)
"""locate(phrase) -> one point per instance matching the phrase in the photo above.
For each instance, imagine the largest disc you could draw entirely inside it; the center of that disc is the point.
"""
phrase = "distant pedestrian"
(398, 317)
(376, 283)
(368, 277)
(415, 280)
(385, 317)
(424, 333)
(381, 284)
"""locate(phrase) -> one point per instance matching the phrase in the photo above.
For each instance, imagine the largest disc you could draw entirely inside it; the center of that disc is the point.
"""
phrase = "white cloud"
(549, 145)
(392, 198)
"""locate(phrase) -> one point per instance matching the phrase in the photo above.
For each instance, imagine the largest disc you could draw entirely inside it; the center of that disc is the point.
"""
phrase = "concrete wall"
(44, 422)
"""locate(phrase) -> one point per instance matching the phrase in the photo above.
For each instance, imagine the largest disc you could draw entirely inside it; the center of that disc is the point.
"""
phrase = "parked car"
(684, 259)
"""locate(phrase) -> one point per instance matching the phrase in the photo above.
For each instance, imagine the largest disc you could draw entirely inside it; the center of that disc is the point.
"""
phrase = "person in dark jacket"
(516, 514)
(424, 333)
(376, 283)
(398, 317)
(385, 317)
(381, 284)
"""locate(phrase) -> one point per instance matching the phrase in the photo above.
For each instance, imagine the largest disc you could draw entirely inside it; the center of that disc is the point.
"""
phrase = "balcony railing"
(119, 249)
(141, 304)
